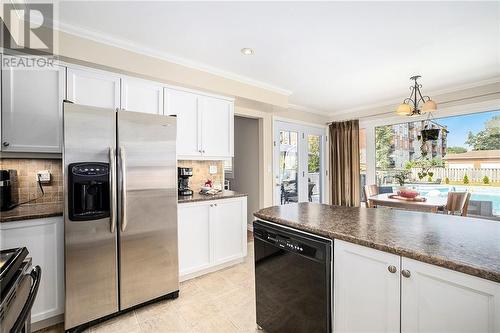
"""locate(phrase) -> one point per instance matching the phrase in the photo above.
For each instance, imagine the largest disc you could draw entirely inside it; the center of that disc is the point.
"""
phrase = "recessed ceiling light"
(247, 51)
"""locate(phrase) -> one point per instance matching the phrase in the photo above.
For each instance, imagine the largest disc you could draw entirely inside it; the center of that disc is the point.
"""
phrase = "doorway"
(299, 163)
(242, 171)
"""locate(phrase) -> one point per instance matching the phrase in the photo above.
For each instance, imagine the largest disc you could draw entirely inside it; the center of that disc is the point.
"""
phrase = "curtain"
(344, 163)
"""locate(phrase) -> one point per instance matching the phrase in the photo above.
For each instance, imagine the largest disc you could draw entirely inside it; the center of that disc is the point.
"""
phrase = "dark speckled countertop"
(463, 244)
(202, 197)
(34, 211)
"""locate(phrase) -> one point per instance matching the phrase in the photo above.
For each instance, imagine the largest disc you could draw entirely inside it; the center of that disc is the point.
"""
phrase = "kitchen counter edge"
(31, 212)
(196, 197)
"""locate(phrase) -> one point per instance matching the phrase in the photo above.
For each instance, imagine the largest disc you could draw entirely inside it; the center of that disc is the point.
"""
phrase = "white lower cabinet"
(229, 230)
(417, 297)
(435, 299)
(366, 294)
(44, 239)
(194, 237)
(212, 234)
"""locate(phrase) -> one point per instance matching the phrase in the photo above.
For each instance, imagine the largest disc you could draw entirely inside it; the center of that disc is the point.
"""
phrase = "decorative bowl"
(408, 193)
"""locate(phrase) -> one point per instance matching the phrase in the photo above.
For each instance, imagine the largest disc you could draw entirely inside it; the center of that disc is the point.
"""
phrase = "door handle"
(112, 189)
(124, 189)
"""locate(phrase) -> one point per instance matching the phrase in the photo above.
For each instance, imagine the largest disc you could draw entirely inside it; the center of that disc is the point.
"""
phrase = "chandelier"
(416, 104)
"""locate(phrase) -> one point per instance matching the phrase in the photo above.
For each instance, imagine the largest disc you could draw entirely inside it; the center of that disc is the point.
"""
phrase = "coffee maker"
(9, 193)
(183, 181)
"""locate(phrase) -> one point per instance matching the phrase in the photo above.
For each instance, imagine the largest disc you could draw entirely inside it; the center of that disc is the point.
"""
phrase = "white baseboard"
(47, 322)
(212, 269)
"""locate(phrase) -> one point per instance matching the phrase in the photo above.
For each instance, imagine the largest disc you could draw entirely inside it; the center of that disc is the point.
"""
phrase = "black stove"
(10, 261)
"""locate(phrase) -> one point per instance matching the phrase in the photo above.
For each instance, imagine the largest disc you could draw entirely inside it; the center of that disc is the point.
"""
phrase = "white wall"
(246, 162)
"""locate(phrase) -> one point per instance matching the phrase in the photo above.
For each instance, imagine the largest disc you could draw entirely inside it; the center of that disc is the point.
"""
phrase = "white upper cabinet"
(32, 109)
(366, 289)
(141, 96)
(205, 124)
(94, 88)
(184, 105)
(435, 299)
(217, 127)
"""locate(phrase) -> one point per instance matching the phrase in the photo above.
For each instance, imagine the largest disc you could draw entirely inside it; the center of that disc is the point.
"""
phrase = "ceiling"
(331, 57)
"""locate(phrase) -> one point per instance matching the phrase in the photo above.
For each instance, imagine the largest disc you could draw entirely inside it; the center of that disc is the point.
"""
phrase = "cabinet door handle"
(6, 144)
(392, 269)
(406, 273)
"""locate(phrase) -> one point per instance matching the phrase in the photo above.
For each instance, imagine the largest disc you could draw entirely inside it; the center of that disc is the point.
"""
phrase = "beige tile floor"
(223, 301)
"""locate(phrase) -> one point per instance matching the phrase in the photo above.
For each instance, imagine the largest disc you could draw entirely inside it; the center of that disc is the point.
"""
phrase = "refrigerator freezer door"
(147, 207)
(90, 246)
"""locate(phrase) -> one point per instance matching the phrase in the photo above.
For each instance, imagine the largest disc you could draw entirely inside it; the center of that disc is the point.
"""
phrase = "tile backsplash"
(28, 186)
(201, 172)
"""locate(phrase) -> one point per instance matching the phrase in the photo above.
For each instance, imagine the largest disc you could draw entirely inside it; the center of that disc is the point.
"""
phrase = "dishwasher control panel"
(289, 243)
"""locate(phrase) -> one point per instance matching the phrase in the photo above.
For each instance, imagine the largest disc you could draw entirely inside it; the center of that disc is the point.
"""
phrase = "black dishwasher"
(292, 280)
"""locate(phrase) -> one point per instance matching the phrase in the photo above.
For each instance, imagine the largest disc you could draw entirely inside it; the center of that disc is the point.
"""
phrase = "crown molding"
(133, 47)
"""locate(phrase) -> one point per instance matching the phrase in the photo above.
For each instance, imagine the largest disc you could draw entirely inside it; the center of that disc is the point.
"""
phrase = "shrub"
(466, 179)
(429, 179)
(486, 180)
(447, 180)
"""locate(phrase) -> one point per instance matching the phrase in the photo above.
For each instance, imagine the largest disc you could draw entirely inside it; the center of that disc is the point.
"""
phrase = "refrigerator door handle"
(124, 189)
(112, 190)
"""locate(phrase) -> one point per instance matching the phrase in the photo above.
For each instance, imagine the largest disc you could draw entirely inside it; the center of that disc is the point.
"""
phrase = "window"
(459, 153)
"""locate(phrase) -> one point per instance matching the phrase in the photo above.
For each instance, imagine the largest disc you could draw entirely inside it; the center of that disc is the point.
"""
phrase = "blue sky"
(459, 126)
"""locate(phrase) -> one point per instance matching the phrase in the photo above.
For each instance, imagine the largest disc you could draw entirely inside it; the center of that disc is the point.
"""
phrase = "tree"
(455, 150)
(487, 139)
(314, 161)
(383, 141)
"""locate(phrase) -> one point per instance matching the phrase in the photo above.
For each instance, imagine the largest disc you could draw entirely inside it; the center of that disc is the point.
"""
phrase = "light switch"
(212, 169)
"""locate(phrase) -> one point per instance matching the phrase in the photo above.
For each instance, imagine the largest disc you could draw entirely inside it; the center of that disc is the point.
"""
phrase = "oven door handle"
(36, 275)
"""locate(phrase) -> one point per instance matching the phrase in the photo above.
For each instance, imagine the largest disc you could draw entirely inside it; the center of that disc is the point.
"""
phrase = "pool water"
(478, 193)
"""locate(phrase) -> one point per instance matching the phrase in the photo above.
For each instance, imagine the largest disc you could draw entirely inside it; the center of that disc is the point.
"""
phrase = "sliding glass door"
(298, 163)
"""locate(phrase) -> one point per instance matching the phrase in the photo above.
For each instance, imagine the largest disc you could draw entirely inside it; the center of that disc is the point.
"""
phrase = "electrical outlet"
(43, 176)
(212, 169)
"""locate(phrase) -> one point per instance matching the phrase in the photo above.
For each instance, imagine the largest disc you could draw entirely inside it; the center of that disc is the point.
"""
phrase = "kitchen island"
(405, 271)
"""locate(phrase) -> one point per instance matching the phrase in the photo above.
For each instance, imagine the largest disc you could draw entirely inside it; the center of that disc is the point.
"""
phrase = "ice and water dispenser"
(88, 191)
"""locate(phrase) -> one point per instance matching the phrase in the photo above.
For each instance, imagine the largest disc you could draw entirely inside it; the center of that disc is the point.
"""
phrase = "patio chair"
(370, 190)
(310, 191)
(457, 202)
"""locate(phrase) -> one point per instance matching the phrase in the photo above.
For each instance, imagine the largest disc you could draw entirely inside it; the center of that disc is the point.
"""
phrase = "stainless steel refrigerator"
(120, 181)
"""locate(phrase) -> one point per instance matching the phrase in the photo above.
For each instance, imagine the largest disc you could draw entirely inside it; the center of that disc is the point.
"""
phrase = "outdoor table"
(432, 204)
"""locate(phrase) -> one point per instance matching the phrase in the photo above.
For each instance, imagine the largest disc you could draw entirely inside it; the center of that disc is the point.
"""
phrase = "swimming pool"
(478, 193)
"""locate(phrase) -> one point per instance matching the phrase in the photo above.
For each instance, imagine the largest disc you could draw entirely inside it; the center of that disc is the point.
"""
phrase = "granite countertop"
(463, 244)
(202, 197)
(34, 211)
